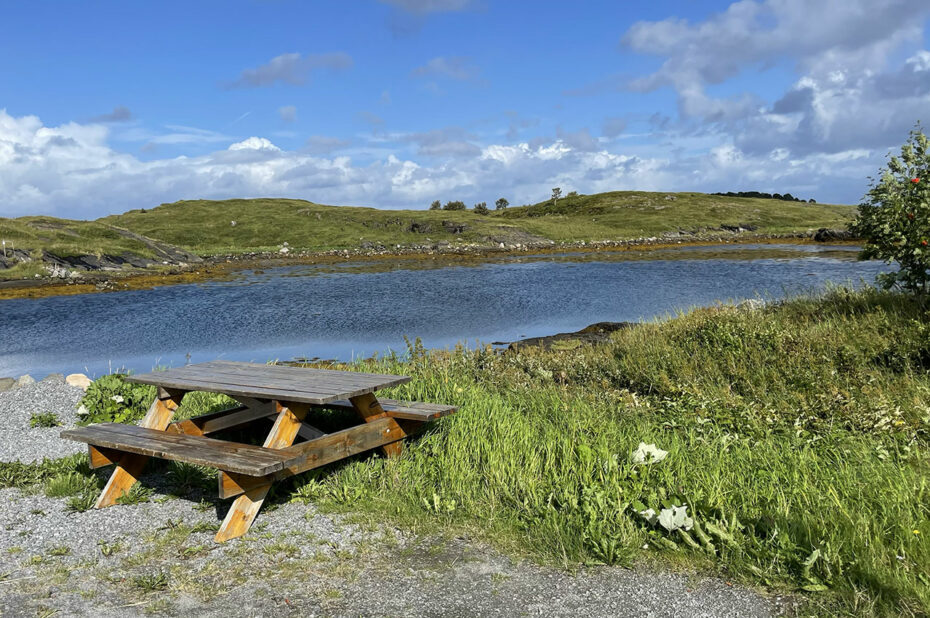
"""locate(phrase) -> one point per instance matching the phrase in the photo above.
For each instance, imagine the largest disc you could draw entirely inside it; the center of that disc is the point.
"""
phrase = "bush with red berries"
(894, 216)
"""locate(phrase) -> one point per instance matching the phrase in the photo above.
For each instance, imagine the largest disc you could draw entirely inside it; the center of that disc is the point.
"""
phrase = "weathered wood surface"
(245, 508)
(242, 458)
(130, 466)
(225, 419)
(369, 409)
(410, 410)
(319, 452)
(295, 384)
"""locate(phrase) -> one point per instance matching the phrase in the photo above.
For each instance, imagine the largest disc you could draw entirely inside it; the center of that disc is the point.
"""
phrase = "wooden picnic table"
(293, 445)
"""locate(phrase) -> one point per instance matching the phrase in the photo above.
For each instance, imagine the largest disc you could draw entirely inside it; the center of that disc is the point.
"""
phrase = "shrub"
(454, 205)
(894, 216)
(435, 205)
(481, 208)
(111, 399)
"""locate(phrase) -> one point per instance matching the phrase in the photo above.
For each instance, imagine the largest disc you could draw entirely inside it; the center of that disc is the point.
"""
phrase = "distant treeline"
(767, 196)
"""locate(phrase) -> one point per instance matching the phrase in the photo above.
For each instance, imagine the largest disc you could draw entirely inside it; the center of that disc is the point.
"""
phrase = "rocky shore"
(88, 273)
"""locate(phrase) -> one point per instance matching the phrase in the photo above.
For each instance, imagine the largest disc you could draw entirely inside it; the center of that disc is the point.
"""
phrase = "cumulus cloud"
(851, 92)
(457, 68)
(120, 113)
(71, 170)
(293, 68)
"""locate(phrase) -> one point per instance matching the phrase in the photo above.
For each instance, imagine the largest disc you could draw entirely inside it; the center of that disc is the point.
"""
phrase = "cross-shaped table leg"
(370, 410)
(243, 511)
(130, 466)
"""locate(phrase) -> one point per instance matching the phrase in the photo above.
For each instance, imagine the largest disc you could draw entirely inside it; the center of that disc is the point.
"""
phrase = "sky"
(109, 106)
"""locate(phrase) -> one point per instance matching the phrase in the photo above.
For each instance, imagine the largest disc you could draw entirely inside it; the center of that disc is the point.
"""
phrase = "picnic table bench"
(293, 445)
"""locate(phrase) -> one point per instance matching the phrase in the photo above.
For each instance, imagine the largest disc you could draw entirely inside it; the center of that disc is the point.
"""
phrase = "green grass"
(44, 419)
(797, 437)
(205, 227)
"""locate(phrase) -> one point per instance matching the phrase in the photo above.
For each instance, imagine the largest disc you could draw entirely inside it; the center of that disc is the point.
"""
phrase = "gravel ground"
(159, 557)
(19, 441)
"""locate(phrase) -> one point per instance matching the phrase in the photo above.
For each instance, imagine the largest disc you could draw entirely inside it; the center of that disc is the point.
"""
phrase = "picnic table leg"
(243, 511)
(369, 409)
(130, 466)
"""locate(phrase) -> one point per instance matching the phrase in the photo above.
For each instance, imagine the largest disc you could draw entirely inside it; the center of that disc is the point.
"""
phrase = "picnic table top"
(259, 381)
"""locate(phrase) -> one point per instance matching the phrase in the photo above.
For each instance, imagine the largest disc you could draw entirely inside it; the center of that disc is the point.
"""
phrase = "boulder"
(78, 379)
(54, 377)
(25, 380)
(826, 234)
(6, 384)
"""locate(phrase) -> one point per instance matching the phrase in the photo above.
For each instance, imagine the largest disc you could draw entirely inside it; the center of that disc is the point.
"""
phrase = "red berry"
(923, 242)
(915, 180)
(910, 216)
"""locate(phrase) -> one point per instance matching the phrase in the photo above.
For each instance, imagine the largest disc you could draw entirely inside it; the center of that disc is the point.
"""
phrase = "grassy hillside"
(264, 224)
(206, 227)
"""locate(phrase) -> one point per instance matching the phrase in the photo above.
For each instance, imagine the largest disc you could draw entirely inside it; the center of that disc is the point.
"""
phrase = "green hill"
(206, 227)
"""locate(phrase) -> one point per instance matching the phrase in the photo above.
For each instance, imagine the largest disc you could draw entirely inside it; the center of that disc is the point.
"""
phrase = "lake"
(357, 309)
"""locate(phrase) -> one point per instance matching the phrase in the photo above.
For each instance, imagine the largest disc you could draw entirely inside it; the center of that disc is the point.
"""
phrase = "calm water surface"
(358, 309)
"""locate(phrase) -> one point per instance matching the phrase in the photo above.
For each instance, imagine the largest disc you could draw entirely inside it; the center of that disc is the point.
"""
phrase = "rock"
(6, 384)
(54, 377)
(826, 234)
(25, 380)
(78, 379)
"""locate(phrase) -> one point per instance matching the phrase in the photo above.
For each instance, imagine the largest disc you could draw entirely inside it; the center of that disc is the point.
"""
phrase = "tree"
(556, 194)
(481, 208)
(501, 203)
(456, 205)
(894, 216)
(435, 205)
(572, 194)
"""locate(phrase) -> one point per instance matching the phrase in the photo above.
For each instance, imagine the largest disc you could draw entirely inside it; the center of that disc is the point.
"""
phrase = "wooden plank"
(100, 457)
(234, 391)
(410, 410)
(268, 374)
(130, 467)
(312, 384)
(320, 452)
(369, 409)
(242, 458)
(225, 419)
(309, 432)
(245, 508)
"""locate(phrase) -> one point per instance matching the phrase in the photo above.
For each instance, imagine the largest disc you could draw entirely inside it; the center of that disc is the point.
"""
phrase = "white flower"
(82, 410)
(117, 398)
(675, 518)
(648, 454)
(650, 516)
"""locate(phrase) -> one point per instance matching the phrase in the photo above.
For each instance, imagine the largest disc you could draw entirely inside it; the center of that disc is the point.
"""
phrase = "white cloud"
(421, 7)
(72, 171)
(458, 68)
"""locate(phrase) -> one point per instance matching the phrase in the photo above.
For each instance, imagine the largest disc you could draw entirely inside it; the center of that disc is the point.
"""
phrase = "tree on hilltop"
(435, 205)
(481, 208)
(501, 203)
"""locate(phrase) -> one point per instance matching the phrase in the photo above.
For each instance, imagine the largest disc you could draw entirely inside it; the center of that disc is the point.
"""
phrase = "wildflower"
(916, 531)
(648, 453)
(923, 242)
(910, 216)
(117, 398)
(915, 180)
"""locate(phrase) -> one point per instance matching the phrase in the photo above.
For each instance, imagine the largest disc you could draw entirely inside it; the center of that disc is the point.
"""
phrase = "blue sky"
(394, 103)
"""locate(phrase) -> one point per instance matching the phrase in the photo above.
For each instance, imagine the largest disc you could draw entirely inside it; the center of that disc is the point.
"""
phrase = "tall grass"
(797, 438)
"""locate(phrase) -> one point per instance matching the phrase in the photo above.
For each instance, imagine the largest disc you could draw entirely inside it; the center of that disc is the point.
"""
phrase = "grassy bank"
(797, 436)
(206, 227)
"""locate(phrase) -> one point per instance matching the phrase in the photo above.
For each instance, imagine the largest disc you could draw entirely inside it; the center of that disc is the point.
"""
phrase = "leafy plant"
(82, 502)
(111, 399)
(137, 494)
(894, 217)
(44, 419)
(69, 484)
(151, 582)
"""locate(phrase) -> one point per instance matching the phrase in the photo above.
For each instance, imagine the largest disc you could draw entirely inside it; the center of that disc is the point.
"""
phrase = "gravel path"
(19, 441)
(159, 557)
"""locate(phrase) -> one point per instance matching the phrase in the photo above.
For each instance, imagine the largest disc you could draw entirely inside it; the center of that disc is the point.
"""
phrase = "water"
(358, 309)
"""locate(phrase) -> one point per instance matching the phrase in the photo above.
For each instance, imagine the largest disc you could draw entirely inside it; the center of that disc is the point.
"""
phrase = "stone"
(25, 380)
(6, 384)
(54, 377)
(79, 380)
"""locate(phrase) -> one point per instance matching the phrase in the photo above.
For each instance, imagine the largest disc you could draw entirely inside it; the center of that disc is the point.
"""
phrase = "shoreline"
(218, 267)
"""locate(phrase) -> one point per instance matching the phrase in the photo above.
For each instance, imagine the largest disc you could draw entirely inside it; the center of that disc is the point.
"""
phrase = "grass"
(44, 419)
(205, 227)
(797, 438)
